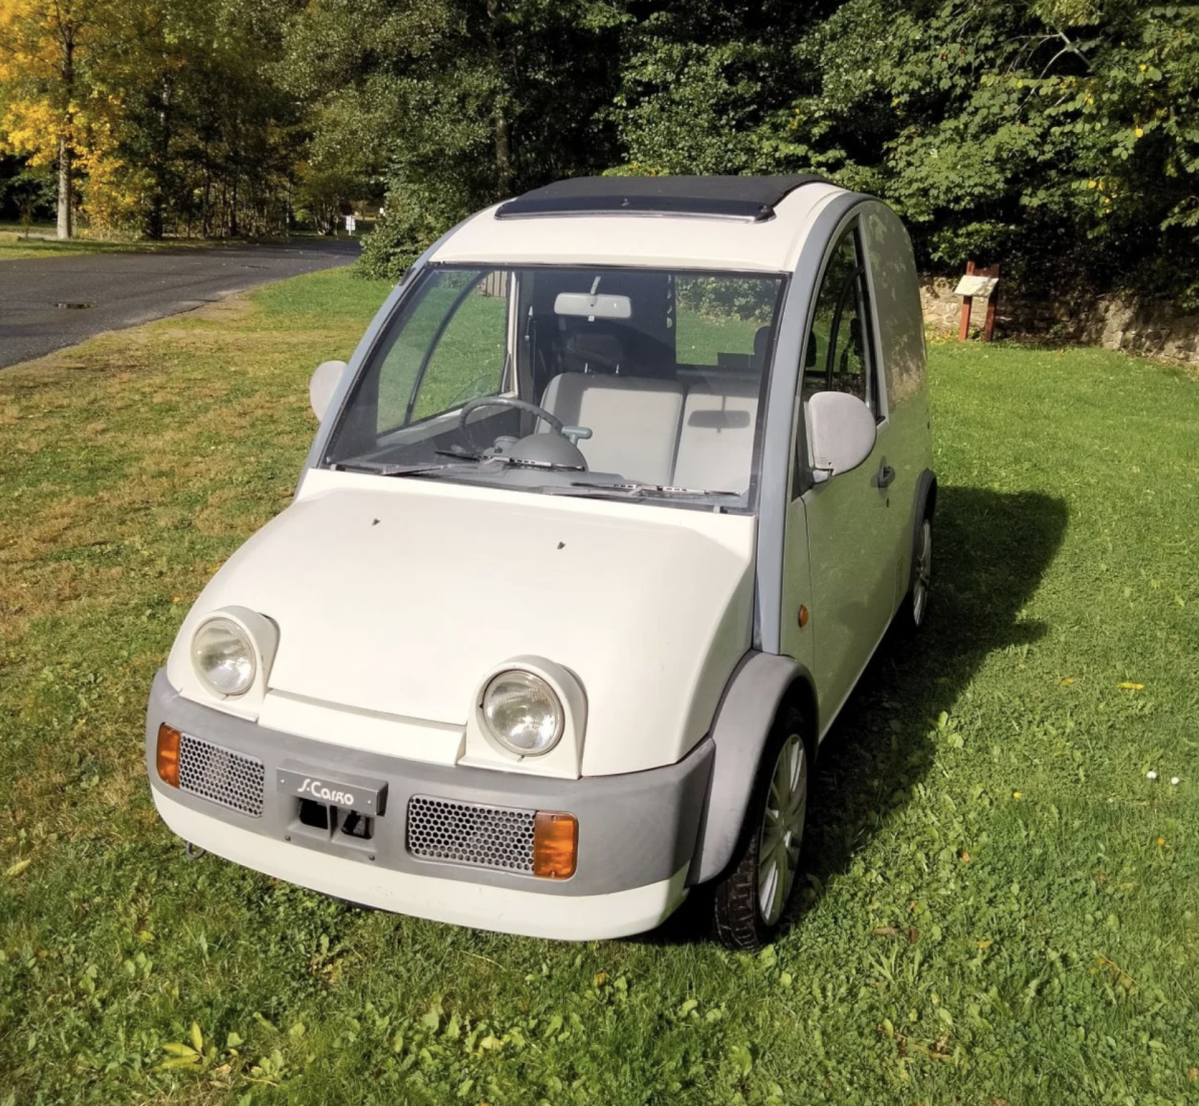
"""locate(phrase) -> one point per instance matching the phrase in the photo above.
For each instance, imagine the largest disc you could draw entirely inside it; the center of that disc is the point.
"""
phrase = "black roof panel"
(748, 198)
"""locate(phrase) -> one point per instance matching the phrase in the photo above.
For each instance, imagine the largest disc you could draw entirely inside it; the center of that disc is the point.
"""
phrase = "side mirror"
(323, 384)
(842, 431)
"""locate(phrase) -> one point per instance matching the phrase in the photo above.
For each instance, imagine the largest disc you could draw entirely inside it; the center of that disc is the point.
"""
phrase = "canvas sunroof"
(748, 198)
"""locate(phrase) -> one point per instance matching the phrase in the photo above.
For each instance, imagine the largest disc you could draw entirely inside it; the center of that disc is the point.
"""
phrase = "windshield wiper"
(381, 469)
(581, 487)
(514, 462)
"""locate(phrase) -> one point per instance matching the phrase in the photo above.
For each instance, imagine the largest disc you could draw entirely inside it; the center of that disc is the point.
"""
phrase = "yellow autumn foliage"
(52, 89)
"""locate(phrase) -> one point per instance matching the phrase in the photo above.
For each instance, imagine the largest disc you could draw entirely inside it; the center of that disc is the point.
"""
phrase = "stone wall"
(1154, 330)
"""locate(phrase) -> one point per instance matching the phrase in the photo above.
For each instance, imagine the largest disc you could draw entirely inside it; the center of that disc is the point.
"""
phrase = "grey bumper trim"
(634, 829)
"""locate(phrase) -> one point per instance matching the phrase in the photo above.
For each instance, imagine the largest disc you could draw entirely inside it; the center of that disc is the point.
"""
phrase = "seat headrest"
(761, 345)
(606, 349)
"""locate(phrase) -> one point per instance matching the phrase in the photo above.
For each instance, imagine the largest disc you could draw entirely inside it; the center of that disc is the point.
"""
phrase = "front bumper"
(637, 832)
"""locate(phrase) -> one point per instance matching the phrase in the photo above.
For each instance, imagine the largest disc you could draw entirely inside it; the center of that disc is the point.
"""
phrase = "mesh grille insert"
(484, 836)
(221, 776)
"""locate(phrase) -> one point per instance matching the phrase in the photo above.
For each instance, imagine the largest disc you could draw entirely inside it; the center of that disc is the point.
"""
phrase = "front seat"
(594, 351)
(634, 421)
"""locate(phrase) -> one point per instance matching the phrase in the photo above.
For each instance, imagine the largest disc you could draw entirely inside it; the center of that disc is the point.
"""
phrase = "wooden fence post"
(967, 308)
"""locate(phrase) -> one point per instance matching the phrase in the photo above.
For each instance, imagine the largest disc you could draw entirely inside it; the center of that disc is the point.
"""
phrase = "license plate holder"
(340, 789)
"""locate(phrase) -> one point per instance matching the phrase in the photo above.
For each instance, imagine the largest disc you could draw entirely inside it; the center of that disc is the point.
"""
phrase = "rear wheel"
(915, 606)
(750, 901)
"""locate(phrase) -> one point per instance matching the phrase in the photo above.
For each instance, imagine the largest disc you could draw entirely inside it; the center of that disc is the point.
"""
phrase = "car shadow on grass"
(991, 551)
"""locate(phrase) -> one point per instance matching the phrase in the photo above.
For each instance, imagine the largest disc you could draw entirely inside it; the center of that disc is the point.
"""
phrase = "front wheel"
(749, 902)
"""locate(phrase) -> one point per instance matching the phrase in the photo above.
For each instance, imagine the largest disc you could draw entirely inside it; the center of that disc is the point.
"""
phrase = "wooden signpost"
(978, 284)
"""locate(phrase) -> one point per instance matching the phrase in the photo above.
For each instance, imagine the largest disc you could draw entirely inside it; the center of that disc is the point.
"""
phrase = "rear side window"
(838, 355)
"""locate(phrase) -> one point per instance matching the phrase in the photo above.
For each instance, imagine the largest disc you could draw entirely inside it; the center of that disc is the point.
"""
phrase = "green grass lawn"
(14, 245)
(1000, 907)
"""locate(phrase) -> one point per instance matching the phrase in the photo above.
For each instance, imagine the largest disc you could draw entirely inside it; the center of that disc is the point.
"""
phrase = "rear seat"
(659, 432)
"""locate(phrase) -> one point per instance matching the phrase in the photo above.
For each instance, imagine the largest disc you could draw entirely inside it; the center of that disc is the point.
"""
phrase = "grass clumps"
(999, 904)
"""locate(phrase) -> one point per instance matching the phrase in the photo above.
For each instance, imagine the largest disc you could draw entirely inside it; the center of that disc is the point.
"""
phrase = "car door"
(838, 545)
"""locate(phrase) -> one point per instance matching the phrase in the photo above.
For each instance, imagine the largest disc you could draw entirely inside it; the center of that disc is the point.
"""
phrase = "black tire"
(738, 918)
(913, 613)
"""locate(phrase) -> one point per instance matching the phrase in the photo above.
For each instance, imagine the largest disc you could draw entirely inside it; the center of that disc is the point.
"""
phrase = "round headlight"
(224, 657)
(523, 713)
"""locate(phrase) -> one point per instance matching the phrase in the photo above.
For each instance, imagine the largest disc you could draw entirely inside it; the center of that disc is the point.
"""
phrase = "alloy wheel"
(924, 573)
(782, 829)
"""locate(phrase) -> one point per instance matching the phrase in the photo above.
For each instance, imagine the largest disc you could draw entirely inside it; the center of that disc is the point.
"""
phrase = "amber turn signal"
(555, 845)
(803, 617)
(168, 755)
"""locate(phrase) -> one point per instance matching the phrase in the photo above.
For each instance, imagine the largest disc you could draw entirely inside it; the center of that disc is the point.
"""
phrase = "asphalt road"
(49, 303)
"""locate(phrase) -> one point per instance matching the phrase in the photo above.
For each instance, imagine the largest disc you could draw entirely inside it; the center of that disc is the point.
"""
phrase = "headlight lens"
(523, 713)
(224, 657)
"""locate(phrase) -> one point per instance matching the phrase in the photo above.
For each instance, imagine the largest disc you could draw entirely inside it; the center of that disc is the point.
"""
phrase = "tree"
(456, 103)
(209, 140)
(1058, 136)
(48, 50)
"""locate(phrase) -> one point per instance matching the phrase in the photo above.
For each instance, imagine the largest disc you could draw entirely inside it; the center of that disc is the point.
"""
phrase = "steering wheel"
(473, 405)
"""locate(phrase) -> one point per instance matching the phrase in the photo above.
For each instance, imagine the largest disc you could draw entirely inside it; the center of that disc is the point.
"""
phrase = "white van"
(614, 502)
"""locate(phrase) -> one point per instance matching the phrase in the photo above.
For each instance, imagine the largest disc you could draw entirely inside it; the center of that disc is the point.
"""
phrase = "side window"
(448, 349)
(470, 356)
(838, 354)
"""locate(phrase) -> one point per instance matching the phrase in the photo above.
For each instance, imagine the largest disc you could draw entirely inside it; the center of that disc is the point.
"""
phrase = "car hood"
(398, 596)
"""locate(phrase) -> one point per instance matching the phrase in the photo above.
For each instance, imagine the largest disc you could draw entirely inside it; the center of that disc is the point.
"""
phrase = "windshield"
(602, 382)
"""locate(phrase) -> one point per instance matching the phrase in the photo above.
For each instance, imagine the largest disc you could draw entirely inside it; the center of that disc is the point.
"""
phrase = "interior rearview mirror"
(323, 384)
(842, 431)
(592, 306)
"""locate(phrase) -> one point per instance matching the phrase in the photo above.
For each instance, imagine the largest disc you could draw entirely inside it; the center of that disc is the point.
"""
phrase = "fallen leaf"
(19, 867)
(181, 1062)
(1067, 681)
(601, 978)
(885, 931)
(1129, 686)
(913, 935)
(984, 944)
(965, 857)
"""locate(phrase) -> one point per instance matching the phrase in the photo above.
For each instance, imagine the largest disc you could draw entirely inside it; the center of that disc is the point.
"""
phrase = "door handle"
(885, 477)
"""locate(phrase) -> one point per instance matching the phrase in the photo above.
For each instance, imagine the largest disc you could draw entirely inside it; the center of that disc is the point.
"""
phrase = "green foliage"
(1060, 137)
(460, 102)
(209, 135)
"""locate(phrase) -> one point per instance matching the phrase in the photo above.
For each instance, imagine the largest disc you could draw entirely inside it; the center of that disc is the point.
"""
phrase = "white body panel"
(686, 243)
(558, 917)
(397, 597)
(370, 731)
(848, 539)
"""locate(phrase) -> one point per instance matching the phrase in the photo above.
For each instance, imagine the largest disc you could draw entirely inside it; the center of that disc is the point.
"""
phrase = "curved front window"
(622, 383)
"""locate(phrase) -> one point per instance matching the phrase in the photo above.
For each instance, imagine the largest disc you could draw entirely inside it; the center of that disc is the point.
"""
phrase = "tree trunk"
(66, 222)
(159, 160)
(66, 211)
(503, 151)
(501, 128)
